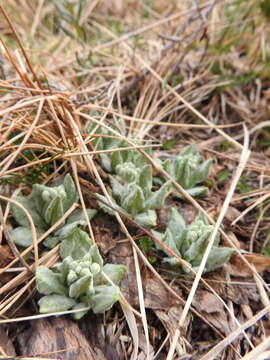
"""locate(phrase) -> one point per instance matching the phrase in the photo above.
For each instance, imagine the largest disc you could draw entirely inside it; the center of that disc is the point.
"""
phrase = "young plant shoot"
(46, 205)
(189, 242)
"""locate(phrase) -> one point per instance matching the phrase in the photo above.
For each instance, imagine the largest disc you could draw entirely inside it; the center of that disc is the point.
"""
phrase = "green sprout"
(190, 242)
(188, 169)
(132, 193)
(109, 141)
(46, 205)
(81, 280)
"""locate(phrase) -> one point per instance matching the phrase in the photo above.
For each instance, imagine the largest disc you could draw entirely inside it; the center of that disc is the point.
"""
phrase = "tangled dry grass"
(176, 72)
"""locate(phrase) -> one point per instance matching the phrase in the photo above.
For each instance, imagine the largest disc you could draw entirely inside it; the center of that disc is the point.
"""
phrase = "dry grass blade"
(242, 162)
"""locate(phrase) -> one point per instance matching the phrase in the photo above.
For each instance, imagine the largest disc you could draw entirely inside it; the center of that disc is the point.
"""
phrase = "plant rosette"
(81, 280)
(189, 242)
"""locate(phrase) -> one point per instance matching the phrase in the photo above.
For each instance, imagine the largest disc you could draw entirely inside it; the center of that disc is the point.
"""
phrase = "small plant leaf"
(146, 180)
(55, 303)
(95, 255)
(48, 282)
(115, 272)
(79, 315)
(76, 244)
(104, 298)
(54, 211)
(147, 218)
(133, 200)
(217, 257)
(157, 199)
(79, 287)
(71, 191)
(20, 215)
(22, 236)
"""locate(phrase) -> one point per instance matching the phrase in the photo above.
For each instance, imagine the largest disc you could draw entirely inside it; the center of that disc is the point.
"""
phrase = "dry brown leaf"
(237, 267)
(212, 309)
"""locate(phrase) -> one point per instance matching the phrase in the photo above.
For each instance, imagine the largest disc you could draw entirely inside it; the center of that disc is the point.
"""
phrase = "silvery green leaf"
(156, 201)
(64, 268)
(217, 257)
(172, 261)
(147, 218)
(197, 191)
(117, 187)
(134, 201)
(176, 225)
(115, 272)
(104, 298)
(79, 315)
(20, 215)
(55, 303)
(107, 209)
(54, 211)
(51, 241)
(106, 162)
(201, 216)
(79, 215)
(67, 229)
(22, 236)
(168, 240)
(116, 159)
(127, 171)
(71, 191)
(48, 282)
(146, 180)
(76, 244)
(95, 255)
(203, 170)
(197, 249)
(79, 287)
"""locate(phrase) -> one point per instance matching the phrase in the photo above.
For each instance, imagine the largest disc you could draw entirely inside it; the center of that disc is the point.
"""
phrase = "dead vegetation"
(176, 73)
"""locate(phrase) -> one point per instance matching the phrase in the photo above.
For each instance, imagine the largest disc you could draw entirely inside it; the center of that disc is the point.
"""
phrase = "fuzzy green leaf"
(133, 200)
(95, 255)
(104, 298)
(115, 272)
(76, 244)
(54, 211)
(48, 282)
(217, 257)
(146, 180)
(157, 199)
(22, 236)
(20, 215)
(79, 315)
(147, 218)
(71, 191)
(79, 287)
(55, 303)
(79, 215)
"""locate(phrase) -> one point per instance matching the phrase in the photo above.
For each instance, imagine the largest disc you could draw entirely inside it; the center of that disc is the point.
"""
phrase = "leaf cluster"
(189, 242)
(108, 141)
(133, 195)
(81, 280)
(46, 205)
(188, 169)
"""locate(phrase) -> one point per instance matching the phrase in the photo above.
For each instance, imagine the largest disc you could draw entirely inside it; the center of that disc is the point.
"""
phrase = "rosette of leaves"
(188, 169)
(81, 280)
(189, 242)
(109, 141)
(132, 193)
(46, 205)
